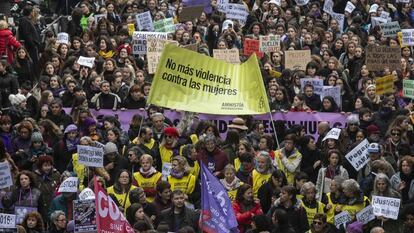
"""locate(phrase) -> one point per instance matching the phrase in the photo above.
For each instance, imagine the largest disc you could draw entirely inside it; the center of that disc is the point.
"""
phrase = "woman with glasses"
(121, 189)
(319, 225)
(58, 222)
(147, 177)
(395, 145)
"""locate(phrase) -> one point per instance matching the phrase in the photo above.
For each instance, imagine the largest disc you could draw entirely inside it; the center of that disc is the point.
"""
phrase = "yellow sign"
(131, 29)
(384, 85)
(190, 81)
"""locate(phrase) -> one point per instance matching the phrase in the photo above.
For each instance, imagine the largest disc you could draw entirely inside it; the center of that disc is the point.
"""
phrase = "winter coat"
(8, 44)
(63, 204)
(244, 218)
(62, 120)
(218, 157)
(297, 215)
(47, 185)
(17, 114)
(290, 164)
(323, 183)
(187, 216)
(28, 198)
(9, 85)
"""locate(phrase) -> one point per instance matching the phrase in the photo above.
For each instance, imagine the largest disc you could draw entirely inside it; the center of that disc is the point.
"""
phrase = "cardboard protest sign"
(84, 215)
(297, 59)
(359, 156)
(384, 85)
(154, 51)
(164, 25)
(87, 194)
(139, 41)
(390, 29)
(408, 88)
(63, 38)
(386, 206)
(166, 170)
(328, 6)
(332, 134)
(380, 57)
(269, 43)
(407, 37)
(317, 84)
(190, 13)
(7, 221)
(86, 61)
(334, 92)
(341, 20)
(70, 185)
(227, 55)
(237, 11)
(252, 46)
(377, 21)
(90, 156)
(385, 15)
(222, 5)
(131, 28)
(365, 215)
(144, 21)
(341, 219)
(6, 179)
(349, 7)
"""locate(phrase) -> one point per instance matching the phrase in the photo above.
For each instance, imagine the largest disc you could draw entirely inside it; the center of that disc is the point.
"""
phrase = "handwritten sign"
(166, 170)
(328, 6)
(7, 221)
(332, 134)
(227, 55)
(349, 7)
(379, 57)
(154, 51)
(377, 21)
(390, 29)
(269, 43)
(139, 41)
(252, 46)
(407, 37)
(359, 157)
(86, 61)
(164, 25)
(144, 21)
(5, 175)
(297, 59)
(70, 185)
(222, 5)
(386, 206)
(316, 83)
(87, 194)
(63, 38)
(237, 11)
(90, 156)
(342, 218)
(384, 85)
(334, 92)
(365, 215)
(408, 88)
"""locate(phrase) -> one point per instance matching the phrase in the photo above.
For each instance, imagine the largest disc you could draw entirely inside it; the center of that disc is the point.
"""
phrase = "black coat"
(314, 102)
(187, 217)
(24, 70)
(130, 103)
(29, 33)
(62, 120)
(9, 85)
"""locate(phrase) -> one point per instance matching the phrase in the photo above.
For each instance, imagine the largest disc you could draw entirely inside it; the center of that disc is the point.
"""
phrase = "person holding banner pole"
(288, 158)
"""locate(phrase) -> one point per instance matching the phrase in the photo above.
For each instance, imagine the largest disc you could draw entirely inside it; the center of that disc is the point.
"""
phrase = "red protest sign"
(251, 46)
(108, 217)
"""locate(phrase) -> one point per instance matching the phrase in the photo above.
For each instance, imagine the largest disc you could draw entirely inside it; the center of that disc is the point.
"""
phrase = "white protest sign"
(385, 15)
(166, 170)
(7, 221)
(70, 185)
(334, 92)
(98, 17)
(340, 18)
(139, 41)
(404, 1)
(376, 21)
(222, 5)
(359, 156)
(63, 38)
(237, 11)
(316, 83)
(386, 206)
(276, 2)
(301, 2)
(407, 37)
(342, 219)
(5, 175)
(328, 6)
(365, 215)
(86, 61)
(390, 29)
(87, 194)
(90, 156)
(349, 7)
(269, 43)
(333, 134)
(144, 21)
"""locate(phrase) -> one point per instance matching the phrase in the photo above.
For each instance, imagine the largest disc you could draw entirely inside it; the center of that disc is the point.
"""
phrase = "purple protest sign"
(217, 214)
(206, 3)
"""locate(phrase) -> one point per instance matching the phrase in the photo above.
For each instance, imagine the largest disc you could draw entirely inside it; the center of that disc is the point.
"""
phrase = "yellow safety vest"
(186, 183)
(195, 170)
(290, 176)
(123, 199)
(258, 181)
(232, 193)
(148, 183)
(237, 164)
(166, 154)
(330, 214)
(79, 169)
(310, 212)
(353, 209)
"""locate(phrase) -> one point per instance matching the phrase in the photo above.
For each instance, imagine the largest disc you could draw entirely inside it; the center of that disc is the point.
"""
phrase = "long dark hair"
(117, 185)
(240, 192)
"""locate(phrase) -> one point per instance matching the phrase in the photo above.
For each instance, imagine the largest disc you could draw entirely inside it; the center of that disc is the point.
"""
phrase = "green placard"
(408, 88)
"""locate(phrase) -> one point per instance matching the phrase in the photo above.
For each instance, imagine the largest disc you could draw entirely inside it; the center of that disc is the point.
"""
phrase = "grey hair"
(350, 185)
(307, 186)
(56, 215)
(384, 177)
(352, 119)
(210, 138)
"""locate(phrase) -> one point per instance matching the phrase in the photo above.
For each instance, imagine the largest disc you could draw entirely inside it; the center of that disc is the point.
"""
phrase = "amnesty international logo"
(261, 102)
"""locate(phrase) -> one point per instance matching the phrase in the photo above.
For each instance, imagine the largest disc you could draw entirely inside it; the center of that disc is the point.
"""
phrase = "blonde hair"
(148, 157)
(3, 24)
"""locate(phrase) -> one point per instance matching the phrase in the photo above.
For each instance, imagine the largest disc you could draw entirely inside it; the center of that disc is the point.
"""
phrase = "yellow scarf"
(106, 55)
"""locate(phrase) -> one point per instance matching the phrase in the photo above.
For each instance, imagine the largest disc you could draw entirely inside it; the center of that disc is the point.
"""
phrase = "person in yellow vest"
(331, 199)
(168, 146)
(261, 174)
(288, 158)
(121, 189)
(190, 153)
(179, 177)
(146, 142)
(300, 179)
(147, 177)
(244, 147)
(230, 182)
(309, 202)
(354, 200)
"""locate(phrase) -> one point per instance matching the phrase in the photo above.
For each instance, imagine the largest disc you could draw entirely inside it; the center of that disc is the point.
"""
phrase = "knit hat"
(71, 128)
(37, 137)
(355, 227)
(16, 99)
(371, 129)
(110, 147)
(171, 131)
(89, 121)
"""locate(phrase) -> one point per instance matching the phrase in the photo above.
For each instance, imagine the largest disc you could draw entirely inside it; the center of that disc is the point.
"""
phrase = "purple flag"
(207, 9)
(217, 214)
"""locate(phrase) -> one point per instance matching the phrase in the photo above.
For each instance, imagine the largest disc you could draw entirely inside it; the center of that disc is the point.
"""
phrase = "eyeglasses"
(395, 134)
(317, 223)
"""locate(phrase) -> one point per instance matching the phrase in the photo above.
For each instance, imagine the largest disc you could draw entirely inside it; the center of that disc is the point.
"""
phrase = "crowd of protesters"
(296, 187)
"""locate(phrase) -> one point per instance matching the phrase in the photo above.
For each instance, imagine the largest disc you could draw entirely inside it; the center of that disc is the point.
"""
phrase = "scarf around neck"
(148, 173)
(231, 186)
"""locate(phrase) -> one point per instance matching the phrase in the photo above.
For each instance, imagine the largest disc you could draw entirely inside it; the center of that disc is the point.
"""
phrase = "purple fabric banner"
(217, 214)
(207, 9)
(309, 120)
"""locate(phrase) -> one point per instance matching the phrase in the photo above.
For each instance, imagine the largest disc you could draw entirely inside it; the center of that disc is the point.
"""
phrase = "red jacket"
(8, 44)
(245, 218)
